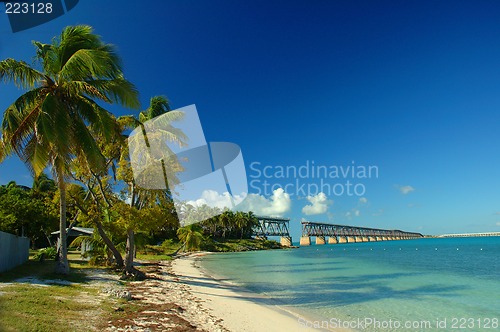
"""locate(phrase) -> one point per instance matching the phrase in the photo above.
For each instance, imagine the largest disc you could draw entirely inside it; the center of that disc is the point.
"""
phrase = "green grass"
(153, 257)
(25, 307)
(32, 307)
(162, 252)
(45, 270)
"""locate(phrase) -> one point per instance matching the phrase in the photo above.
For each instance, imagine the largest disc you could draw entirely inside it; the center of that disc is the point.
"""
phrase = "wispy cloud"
(405, 190)
(353, 213)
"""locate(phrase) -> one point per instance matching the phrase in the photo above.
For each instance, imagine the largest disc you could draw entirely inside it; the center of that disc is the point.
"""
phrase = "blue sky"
(412, 87)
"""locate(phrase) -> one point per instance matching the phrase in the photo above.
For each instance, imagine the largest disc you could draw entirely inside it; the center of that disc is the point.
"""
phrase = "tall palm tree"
(164, 131)
(58, 117)
(242, 221)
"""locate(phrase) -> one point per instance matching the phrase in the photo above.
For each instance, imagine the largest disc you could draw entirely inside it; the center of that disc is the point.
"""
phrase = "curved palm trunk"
(100, 229)
(62, 266)
(116, 254)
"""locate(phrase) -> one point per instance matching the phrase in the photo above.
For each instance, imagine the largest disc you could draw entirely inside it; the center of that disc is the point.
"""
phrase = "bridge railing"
(272, 226)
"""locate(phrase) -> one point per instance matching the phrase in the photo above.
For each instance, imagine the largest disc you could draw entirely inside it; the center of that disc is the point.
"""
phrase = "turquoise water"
(392, 285)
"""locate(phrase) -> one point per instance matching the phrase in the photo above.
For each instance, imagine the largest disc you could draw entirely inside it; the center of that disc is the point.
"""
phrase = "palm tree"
(226, 220)
(42, 183)
(191, 236)
(241, 220)
(161, 116)
(58, 118)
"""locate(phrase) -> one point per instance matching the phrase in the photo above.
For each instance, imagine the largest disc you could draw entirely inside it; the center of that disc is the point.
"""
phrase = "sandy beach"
(179, 296)
(239, 310)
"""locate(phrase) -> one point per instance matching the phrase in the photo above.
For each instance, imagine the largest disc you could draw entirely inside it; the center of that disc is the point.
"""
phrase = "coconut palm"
(58, 118)
(158, 116)
(241, 220)
(191, 236)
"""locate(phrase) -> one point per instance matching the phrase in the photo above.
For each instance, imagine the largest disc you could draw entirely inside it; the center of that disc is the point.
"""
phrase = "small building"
(73, 233)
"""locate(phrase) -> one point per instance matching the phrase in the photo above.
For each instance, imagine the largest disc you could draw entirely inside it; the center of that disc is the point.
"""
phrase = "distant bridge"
(471, 234)
(348, 234)
(273, 226)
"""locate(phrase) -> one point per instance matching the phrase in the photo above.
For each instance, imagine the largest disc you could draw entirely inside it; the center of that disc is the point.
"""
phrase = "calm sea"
(418, 285)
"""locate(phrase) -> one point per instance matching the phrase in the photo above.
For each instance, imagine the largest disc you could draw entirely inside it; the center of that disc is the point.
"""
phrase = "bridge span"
(349, 234)
(471, 234)
(273, 226)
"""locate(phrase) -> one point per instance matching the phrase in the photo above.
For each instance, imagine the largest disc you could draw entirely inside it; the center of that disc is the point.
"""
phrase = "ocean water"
(413, 285)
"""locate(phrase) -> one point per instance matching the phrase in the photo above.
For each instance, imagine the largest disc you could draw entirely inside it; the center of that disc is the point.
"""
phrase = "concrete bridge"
(471, 234)
(349, 234)
(273, 226)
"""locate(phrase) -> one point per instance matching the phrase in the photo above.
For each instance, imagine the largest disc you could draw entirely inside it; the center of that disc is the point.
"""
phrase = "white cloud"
(357, 213)
(277, 205)
(319, 205)
(406, 189)
(498, 223)
(213, 199)
(363, 200)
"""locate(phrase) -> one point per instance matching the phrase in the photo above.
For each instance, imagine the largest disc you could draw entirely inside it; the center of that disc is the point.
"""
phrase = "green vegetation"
(58, 118)
(58, 123)
(45, 253)
(239, 245)
(29, 211)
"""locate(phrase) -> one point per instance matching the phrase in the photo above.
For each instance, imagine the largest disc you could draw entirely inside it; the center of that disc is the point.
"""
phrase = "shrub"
(46, 253)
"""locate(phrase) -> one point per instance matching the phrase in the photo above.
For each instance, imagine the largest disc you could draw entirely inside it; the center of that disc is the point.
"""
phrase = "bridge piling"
(320, 240)
(286, 241)
(332, 240)
(305, 241)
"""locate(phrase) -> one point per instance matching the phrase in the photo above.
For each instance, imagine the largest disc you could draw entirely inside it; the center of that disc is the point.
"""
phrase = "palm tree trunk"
(130, 250)
(111, 246)
(62, 266)
(100, 229)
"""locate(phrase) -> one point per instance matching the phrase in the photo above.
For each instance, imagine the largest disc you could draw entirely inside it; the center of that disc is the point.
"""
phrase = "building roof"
(77, 231)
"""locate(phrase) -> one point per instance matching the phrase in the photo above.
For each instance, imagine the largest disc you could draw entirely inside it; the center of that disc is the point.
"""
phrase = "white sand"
(240, 310)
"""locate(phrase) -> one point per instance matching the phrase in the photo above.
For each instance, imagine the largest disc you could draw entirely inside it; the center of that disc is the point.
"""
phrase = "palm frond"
(87, 62)
(20, 73)
(118, 90)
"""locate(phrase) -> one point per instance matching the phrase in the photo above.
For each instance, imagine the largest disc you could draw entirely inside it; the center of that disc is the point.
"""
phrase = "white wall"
(14, 250)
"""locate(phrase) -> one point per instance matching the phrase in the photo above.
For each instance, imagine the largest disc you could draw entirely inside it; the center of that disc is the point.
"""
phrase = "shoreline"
(237, 308)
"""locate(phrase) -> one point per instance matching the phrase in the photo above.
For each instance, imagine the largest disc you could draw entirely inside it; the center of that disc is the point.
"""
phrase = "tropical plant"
(26, 212)
(58, 117)
(191, 236)
(98, 252)
(158, 113)
(45, 253)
